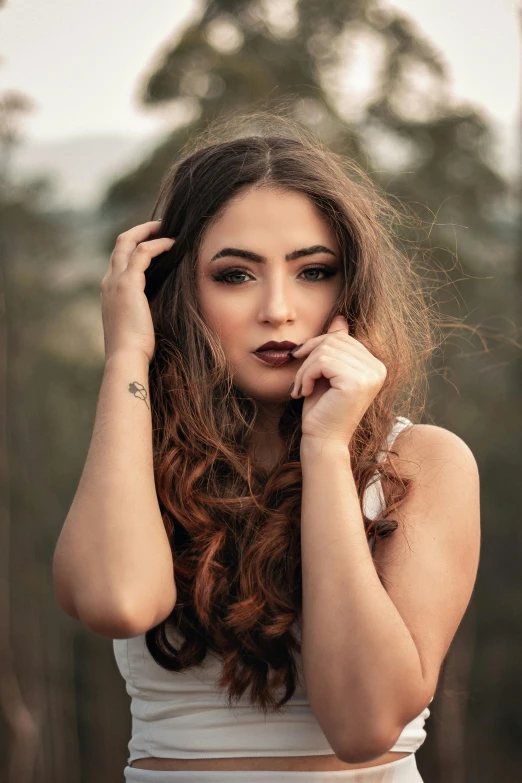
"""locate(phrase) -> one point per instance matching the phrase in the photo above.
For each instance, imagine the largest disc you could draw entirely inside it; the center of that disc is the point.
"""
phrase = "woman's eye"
(327, 272)
(223, 277)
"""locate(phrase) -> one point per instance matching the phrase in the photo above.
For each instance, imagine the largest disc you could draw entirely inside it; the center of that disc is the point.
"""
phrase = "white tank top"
(183, 714)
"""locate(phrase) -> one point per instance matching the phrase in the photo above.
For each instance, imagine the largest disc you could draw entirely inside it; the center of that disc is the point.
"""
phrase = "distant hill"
(80, 166)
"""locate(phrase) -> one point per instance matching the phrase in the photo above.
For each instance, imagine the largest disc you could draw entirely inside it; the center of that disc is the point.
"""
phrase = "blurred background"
(96, 101)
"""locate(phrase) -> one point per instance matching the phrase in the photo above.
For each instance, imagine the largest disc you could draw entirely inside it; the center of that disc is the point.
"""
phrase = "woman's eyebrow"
(257, 259)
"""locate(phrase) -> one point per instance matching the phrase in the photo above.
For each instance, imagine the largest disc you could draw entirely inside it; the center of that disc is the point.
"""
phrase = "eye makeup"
(223, 275)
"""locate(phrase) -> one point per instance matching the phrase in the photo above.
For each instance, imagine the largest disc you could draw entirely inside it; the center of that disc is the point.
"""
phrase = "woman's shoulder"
(416, 444)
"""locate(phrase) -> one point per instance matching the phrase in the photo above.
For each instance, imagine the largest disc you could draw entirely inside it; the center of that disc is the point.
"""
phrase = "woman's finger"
(145, 251)
(313, 369)
(338, 335)
(128, 241)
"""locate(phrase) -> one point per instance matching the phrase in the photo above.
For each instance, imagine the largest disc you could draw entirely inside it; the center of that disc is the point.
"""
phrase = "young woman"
(280, 554)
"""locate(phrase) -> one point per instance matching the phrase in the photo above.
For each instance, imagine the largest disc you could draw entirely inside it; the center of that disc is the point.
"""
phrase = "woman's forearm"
(113, 565)
(360, 664)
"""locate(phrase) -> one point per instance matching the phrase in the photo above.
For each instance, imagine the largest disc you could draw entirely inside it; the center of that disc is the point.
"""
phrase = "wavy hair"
(234, 528)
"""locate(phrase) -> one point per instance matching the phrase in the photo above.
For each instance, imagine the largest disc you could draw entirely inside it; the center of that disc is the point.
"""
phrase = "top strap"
(401, 423)
(373, 499)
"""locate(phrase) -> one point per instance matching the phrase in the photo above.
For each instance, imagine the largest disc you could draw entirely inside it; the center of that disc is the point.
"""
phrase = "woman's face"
(248, 302)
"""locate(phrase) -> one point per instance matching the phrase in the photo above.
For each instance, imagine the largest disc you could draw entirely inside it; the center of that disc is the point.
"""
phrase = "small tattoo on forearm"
(138, 390)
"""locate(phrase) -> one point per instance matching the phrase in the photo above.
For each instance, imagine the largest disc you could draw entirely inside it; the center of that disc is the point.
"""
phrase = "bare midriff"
(328, 763)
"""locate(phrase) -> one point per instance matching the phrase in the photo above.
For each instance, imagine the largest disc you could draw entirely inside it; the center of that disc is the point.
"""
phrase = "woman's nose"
(277, 303)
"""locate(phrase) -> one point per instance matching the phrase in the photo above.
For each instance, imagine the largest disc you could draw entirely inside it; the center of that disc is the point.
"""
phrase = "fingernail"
(296, 348)
(290, 389)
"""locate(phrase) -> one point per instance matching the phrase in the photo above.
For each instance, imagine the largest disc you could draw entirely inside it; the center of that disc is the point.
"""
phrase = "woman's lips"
(275, 357)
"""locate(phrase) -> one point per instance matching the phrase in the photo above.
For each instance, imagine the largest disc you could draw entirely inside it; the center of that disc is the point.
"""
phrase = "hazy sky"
(82, 62)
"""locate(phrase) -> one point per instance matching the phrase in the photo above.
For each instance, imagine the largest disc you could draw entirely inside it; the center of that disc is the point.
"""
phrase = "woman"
(281, 585)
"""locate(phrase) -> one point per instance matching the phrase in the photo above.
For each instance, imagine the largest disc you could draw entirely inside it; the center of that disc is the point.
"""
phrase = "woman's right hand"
(127, 321)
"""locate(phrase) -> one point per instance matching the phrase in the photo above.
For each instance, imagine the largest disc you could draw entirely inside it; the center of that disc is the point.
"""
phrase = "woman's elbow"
(370, 747)
(115, 621)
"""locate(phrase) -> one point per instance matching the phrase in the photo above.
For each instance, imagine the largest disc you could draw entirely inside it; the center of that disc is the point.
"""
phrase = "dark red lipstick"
(276, 353)
(272, 345)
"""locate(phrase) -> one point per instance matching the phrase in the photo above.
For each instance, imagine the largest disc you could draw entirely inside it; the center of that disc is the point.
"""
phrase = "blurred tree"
(12, 104)
(44, 396)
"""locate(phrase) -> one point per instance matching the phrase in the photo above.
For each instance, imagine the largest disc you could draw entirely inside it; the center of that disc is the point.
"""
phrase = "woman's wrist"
(313, 448)
(130, 356)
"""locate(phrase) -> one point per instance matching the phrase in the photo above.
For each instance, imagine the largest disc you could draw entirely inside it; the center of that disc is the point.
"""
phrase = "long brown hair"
(234, 528)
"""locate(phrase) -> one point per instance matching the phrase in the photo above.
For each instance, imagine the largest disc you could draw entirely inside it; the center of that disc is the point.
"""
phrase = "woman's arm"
(113, 566)
(370, 662)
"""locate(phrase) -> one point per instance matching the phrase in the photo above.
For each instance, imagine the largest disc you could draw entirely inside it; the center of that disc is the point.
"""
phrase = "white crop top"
(183, 715)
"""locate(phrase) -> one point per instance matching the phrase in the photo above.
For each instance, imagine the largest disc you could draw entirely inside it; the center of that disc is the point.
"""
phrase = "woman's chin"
(275, 397)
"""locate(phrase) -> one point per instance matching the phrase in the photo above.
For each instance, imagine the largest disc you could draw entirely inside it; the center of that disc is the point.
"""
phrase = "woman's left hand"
(339, 378)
